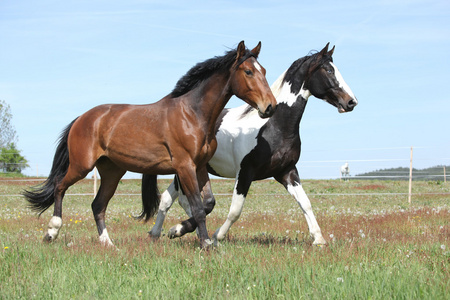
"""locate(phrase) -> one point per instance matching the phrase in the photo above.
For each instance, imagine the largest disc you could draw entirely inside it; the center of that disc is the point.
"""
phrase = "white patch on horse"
(175, 231)
(53, 227)
(236, 137)
(282, 91)
(166, 202)
(299, 194)
(342, 84)
(276, 86)
(257, 66)
(104, 238)
(304, 92)
(237, 204)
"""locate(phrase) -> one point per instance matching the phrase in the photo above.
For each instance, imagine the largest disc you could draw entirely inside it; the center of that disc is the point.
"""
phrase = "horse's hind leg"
(241, 187)
(71, 177)
(167, 199)
(291, 182)
(110, 176)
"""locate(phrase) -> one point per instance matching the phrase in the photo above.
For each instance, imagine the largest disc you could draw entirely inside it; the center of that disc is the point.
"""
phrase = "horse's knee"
(209, 204)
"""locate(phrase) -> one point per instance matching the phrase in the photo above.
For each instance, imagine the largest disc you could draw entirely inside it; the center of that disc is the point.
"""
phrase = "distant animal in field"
(345, 172)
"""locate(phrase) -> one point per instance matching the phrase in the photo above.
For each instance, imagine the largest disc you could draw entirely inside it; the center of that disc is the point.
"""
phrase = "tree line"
(435, 173)
(11, 160)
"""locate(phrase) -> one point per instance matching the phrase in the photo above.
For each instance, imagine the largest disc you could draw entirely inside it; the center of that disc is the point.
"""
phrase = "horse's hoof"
(215, 240)
(153, 237)
(175, 231)
(319, 242)
(47, 238)
(207, 244)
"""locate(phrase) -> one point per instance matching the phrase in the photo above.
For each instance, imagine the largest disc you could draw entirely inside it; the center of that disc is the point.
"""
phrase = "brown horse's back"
(121, 133)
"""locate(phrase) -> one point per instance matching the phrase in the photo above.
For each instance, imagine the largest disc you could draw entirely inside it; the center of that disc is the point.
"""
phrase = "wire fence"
(360, 168)
(35, 181)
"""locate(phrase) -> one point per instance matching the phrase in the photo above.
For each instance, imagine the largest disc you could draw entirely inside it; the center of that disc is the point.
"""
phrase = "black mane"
(292, 74)
(204, 70)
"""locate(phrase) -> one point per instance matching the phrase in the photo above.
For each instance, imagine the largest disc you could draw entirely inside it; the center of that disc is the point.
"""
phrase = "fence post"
(445, 176)
(410, 175)
(95, 182)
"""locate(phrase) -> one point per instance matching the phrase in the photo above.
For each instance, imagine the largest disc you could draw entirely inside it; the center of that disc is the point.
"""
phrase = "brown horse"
(172, 136)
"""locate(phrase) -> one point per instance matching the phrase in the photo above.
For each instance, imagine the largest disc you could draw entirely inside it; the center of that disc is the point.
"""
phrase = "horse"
(251, 149)
(345, 171)
(175, 135)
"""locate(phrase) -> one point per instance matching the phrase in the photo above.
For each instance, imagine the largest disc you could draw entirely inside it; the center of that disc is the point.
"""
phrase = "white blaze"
(342, 83)
(258, 66)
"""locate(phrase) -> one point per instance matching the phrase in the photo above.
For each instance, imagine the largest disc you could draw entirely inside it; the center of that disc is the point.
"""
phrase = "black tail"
(150, 197)
(41, 196)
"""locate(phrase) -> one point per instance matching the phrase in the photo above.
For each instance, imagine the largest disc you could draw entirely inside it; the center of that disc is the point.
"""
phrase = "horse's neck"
(291, 105)
(210, 98)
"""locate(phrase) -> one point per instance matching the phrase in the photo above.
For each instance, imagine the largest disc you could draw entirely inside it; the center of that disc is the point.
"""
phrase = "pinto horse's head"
(326, 82)
(248, 81)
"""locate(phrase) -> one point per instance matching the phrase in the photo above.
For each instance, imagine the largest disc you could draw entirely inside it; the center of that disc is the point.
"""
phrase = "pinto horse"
(175, 135)
(250, 148)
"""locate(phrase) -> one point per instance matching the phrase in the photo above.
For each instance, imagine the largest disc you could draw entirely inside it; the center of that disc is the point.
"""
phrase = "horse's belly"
(156, 162)
(231, 150)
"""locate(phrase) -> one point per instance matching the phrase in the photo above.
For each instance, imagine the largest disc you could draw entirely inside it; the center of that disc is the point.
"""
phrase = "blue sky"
(58, 59)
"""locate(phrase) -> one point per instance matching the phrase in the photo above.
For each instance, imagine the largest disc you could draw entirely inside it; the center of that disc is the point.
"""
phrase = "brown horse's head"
(248, 81)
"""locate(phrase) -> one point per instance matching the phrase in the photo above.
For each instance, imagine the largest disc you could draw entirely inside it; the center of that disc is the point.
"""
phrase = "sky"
(58, 59)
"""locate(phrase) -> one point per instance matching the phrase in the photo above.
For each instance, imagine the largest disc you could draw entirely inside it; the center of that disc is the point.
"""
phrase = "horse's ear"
(324, 50)
(240, 50)
(257, 49)
(330, 53)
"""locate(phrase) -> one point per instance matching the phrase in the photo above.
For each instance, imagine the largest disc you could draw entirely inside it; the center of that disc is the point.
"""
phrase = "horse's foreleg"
(110, 176)
(209, 202)
(291, 181)
(190, 186)
(167, 199)
(241, 187)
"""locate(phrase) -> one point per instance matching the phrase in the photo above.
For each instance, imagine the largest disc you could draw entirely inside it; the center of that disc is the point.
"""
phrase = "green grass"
(379, 246)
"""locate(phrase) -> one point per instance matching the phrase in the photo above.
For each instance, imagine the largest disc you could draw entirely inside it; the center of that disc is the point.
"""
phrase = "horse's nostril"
(270, 110)
(352, 103)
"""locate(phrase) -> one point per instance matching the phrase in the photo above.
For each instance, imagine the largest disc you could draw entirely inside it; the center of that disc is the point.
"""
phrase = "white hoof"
(175, 231)
(319, 241)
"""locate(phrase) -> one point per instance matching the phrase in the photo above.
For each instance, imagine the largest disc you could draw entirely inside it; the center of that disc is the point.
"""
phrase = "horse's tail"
(42, 196)
(150, 197)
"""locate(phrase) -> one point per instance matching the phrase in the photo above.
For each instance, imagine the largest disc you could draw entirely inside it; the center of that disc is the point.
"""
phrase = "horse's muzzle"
(349, 107)
(270, 110)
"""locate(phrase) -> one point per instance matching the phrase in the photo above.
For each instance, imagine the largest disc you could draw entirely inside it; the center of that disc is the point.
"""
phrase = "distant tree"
(7, 131)
(11, 161)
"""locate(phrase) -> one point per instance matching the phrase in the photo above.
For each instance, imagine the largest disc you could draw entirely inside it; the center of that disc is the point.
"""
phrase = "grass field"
(379, 246)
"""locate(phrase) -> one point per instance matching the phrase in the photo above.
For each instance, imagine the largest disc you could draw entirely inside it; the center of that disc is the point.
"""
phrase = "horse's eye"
(248, 72)
(330, 71)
